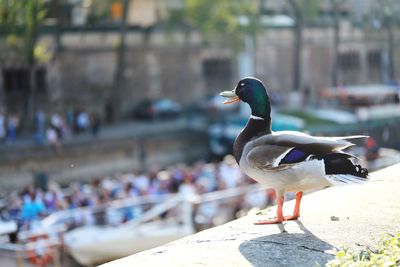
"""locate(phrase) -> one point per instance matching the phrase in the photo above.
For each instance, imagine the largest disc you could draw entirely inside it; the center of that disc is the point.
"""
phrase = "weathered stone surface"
(362, 215)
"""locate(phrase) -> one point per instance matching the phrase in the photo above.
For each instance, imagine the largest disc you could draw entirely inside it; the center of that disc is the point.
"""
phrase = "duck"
(288, 161)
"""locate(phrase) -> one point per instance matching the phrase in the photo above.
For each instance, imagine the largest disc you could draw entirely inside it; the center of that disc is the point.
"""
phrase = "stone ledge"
(352, 216)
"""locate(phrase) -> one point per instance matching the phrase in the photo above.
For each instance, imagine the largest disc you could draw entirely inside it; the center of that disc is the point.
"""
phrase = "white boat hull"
(96, 244)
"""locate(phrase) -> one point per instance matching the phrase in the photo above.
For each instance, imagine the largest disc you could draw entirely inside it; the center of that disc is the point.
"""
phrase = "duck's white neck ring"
(256, 118)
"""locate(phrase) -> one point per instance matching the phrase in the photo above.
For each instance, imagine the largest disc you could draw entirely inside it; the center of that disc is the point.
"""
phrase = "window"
(349, 60)
(374, 59)
(217, 67)
(217, 72)
(16, 80)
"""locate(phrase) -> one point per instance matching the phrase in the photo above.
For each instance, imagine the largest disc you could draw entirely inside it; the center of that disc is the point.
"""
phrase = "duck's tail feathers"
(351, 137)
(348, 155)
(340, 170)
(345, 179)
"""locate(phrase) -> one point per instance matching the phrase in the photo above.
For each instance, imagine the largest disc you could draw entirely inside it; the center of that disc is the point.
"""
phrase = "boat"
(170, 217)
(367, 102)
(94, 244)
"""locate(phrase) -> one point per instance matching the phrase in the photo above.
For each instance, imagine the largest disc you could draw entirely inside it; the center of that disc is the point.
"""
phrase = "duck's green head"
(253, 92)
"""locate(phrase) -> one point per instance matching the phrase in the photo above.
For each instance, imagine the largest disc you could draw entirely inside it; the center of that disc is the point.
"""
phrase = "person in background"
(372, 149)
(141, 182)
(229, 173)
(13, 122)
(70, 119)
(40, 121)
(95, 124)
(56, 123)
(32, 208)
(2, 127)
(109, 111)
(187, 188)
(53, 199)
(14, 204)
(52, 138)
(82, 122)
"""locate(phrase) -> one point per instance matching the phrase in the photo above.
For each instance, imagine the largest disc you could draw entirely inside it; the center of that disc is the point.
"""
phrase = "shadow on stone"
(300, 248)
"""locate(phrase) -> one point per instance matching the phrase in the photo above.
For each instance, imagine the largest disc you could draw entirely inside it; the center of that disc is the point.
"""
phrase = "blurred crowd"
(32, 204)
(51, 128)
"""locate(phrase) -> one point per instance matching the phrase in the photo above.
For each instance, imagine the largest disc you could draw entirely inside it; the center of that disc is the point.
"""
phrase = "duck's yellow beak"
(233, 98)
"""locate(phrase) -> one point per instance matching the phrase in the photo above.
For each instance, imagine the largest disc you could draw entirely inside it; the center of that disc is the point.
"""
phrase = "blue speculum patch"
(294, 155)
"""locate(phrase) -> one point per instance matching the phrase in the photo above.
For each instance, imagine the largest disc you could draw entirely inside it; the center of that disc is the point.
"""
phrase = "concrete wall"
(83, 161)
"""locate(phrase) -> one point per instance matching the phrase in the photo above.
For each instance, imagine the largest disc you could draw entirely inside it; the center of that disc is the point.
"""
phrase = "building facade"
(180, 66)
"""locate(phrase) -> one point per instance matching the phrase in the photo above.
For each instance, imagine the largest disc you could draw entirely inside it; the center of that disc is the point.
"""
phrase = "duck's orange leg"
(296, 212)
(279, 214)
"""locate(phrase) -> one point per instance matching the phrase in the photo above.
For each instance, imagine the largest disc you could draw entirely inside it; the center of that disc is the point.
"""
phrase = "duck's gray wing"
(266, 156)
(315, 145)
(284, 149)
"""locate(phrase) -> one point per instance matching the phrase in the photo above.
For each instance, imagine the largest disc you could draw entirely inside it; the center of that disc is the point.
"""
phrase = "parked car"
(157, 108)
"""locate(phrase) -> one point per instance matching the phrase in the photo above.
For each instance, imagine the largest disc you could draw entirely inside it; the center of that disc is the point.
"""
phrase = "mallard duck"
(288, 161)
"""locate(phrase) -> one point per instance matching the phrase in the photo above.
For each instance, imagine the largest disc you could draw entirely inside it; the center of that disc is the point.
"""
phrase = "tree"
(336, 40)
(23, 18)
(297, 44)
(385, 15)
(303, 11)
(119, 78)
(56, 6)
(390, 12)
(233, 24)
(224, 21)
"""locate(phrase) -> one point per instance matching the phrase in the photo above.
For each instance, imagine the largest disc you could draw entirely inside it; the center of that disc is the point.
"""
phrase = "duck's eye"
(242, 84)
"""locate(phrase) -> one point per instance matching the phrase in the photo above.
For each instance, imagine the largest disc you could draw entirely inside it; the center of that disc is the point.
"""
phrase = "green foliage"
(220, 21)
(310, 9)
(22, 17)
(42, 53)
(99, 11)
(307, 9)
(12, 40)
(16, 14)
(388, 11)
(8, 14)
(387, 254)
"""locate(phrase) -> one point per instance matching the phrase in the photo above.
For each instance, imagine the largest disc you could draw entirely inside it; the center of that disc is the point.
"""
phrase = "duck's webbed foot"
(296, 212)
(279, 215)
(291, 217)
(280, 218)
(272, 221)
